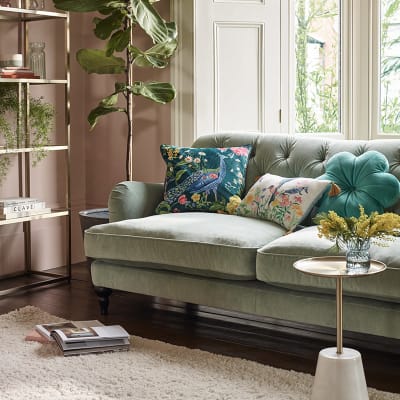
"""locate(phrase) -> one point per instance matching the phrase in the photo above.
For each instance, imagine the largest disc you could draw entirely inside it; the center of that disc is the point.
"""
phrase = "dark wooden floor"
(264, 341)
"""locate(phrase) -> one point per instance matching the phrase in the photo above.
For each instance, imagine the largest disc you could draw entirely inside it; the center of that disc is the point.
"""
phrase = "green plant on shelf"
(12, 123)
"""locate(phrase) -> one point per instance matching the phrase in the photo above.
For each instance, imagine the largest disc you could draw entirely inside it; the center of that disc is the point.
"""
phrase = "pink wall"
(78, 137)
(97, 158)
(102, 163)
(48, 178)
(106, 144)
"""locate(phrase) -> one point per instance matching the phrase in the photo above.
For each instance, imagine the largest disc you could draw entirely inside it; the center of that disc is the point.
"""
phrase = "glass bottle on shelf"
(33, 5)
(37, 59)
(37, 4)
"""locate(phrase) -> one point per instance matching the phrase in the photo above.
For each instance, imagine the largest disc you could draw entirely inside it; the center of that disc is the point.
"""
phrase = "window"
(318, 60)
(343, 84)
(389, 66)
(329, 67)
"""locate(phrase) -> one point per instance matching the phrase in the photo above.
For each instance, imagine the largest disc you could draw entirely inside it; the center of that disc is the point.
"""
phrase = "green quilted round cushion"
(363, 180)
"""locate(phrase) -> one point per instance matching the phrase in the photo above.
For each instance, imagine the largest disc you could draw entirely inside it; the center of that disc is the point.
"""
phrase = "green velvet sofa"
(243, 264)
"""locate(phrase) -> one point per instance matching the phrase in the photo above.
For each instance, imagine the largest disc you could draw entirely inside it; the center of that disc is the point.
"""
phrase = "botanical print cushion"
(363, 180)
(286, 201)
(203, 179)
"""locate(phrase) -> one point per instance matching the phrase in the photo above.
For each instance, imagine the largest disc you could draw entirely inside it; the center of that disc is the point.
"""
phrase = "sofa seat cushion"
(275, 266)
(207, 244)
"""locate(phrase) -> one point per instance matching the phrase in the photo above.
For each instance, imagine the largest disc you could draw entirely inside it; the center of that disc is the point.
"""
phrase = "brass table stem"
(339, 315)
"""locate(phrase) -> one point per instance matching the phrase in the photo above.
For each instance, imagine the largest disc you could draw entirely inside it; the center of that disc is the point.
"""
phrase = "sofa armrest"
(133, 199)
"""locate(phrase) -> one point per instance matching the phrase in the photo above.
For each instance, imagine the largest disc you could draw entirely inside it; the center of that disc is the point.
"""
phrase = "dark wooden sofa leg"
(103, 294)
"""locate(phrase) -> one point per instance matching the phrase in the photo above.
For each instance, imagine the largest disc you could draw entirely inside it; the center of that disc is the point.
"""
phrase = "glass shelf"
(31, 149)
(33, 81)
(30, 278)
(22, 14)
(53, 214)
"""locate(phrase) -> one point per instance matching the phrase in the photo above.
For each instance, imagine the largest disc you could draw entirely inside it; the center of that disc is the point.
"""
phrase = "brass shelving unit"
(30, 278)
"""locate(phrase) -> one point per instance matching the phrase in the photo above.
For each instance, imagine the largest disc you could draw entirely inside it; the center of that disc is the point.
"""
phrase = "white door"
(237, 64)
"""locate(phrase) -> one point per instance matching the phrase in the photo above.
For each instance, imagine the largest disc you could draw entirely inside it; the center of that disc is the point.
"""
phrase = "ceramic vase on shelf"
(357, 256)
(37, 59)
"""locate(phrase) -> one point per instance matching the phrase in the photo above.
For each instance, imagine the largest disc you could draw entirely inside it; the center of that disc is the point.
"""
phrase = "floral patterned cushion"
(286, 201)
(203, 179)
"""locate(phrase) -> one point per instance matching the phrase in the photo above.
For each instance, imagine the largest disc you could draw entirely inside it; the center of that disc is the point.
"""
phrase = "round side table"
(339, 373)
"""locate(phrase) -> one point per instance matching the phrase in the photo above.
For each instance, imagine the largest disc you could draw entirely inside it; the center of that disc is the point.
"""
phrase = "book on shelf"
(21, 207)
(17, 72)
(9, 201)
(94, 339)
(23, 214)
(11, 68)
(19, 76)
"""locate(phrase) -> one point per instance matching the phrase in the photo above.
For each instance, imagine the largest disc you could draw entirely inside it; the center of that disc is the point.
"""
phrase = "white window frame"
(360, 69)
(375, 104)
(347, 79)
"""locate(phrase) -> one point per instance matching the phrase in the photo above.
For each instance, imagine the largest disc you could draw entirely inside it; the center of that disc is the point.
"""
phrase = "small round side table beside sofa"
(339, 373)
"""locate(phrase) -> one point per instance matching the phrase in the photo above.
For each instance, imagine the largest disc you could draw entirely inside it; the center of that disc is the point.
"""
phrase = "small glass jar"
(37, 59)
(37, 4)
(357, 256)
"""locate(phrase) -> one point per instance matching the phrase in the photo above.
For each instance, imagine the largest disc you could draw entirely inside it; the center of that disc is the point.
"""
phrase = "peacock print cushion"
(285, 201)
(203, 179)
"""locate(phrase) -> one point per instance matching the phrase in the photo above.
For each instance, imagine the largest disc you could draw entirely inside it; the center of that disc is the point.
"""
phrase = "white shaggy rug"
(151, 370)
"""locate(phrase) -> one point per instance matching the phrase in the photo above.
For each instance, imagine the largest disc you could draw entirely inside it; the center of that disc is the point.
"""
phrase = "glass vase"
(37, 4)
(37, 59)
(357, 256)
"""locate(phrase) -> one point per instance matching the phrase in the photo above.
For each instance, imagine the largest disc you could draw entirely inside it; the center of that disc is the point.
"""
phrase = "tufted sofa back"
(299, 155)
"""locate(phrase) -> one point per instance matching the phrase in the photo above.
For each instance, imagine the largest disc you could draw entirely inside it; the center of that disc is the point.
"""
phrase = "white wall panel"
(239, 86)
(237, 63)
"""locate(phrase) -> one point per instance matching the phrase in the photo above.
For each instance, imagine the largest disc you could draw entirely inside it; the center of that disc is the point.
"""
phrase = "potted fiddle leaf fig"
(117, 25)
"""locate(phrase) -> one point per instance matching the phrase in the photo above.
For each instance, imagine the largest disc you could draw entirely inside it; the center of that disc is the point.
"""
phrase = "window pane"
(390, 66)
(317, 46)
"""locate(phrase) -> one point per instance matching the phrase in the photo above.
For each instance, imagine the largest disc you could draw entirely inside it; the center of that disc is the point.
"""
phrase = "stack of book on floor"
(19, 207)
(83, 337)
(18, 73)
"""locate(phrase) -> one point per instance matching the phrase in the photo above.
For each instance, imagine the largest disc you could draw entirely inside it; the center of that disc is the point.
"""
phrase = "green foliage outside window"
(316, 96)
(317, 90)
(390, 68)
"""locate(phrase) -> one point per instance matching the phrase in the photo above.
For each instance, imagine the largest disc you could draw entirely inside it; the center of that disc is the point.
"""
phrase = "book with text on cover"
(21, 207)
(22, 214)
